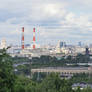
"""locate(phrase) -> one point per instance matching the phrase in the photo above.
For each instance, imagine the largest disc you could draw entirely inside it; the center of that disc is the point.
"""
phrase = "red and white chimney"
(34, 38)
(22, 38)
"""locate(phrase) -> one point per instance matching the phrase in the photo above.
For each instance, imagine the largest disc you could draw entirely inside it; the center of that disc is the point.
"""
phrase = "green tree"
(53, 83)
(24, 84)
(7, 77)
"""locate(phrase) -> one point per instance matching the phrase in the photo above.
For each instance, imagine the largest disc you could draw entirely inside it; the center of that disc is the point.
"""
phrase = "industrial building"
(33, 50)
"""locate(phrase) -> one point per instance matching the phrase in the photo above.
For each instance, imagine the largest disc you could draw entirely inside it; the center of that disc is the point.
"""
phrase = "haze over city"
(66, 20)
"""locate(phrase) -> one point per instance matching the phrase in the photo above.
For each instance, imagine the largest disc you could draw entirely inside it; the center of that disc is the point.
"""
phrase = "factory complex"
(33, 50)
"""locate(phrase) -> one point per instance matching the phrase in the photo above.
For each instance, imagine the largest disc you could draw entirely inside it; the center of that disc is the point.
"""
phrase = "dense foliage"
(7, 78)
(48, 61)
(52, 83)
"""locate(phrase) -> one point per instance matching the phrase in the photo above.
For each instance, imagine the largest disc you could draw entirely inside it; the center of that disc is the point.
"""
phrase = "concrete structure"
(79, 49)
(65, 50)
(37, 52)
(64, 70)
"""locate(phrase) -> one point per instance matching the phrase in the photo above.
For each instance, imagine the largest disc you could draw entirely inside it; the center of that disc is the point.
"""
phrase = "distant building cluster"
(61, 49)
(35, 50)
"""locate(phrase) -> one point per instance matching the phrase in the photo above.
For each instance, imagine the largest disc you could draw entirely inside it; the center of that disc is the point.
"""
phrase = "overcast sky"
(65, 20)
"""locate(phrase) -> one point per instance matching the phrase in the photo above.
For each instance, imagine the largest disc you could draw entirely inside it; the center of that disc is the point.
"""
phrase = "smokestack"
(22, 38)
(34, 38)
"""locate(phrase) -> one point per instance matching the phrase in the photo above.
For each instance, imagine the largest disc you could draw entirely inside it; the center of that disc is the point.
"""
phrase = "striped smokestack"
(34, 38)
(22, 38)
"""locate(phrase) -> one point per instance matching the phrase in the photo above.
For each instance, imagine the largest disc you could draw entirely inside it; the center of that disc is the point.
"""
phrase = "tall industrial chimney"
(34, 38)
(22, 38)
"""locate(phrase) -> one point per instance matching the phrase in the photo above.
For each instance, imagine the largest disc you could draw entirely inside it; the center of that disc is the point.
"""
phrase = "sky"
(65, 20)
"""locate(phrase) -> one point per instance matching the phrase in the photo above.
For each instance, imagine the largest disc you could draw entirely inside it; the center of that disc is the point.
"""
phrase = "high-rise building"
(79, 44)
(62, 44)
(3, 44)
(58, 50)
(87, 51)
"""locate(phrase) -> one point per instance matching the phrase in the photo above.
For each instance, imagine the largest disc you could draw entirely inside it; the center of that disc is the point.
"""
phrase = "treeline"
(80, 58)
(48, 61)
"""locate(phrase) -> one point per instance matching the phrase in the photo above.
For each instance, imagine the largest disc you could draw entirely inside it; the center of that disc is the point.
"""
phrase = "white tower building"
(58, 49)
(3, 44)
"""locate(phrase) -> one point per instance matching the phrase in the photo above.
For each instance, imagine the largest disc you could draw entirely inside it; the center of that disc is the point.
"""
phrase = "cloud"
(53, 19)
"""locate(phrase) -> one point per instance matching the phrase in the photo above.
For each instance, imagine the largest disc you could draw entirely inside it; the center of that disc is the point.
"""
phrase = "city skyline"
(54, 20)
